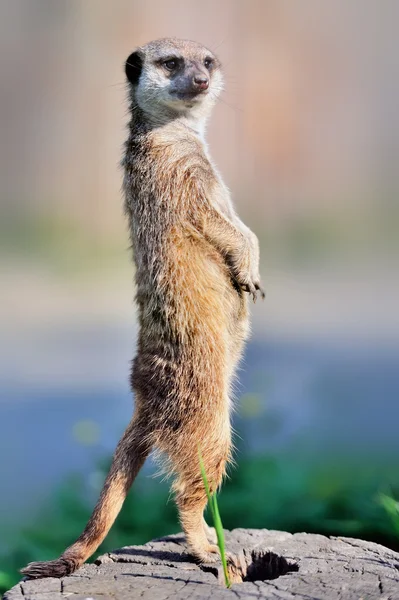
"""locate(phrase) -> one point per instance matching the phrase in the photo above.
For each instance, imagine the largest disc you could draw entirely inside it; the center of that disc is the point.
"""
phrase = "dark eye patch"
(208, 62)
(170, 63)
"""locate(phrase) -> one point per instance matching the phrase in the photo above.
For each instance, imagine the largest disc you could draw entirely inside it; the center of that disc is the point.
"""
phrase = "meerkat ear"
(133, 67)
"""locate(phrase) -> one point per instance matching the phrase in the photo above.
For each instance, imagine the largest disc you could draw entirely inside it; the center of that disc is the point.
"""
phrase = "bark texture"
(278, 565)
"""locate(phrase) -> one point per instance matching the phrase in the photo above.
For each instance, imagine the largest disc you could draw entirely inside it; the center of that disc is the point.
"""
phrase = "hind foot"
(208, 554)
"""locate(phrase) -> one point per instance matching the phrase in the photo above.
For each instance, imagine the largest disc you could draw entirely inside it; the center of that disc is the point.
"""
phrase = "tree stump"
(273, 565)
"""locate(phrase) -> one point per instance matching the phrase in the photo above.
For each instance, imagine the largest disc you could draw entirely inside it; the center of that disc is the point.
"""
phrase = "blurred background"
(306, 135)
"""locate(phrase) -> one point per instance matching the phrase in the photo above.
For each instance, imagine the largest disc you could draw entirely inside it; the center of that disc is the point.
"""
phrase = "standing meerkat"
(196, 266)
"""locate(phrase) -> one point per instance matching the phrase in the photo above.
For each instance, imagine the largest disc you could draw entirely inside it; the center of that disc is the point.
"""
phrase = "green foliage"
(292, 494)
(217, 522)
(392, 509)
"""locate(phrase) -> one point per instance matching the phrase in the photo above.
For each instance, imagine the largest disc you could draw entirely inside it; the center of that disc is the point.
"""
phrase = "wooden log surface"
(276, 565)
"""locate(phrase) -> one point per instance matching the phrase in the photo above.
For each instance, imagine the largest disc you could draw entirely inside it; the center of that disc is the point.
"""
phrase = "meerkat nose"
(201, 82)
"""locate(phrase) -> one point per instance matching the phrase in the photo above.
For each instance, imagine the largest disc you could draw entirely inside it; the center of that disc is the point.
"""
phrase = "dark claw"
(253, 288)
(252, 291)
(261, 290)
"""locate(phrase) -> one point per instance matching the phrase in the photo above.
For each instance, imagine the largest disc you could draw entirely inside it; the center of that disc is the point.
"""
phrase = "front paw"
(245, 268)
(250, 283)
(253, 287)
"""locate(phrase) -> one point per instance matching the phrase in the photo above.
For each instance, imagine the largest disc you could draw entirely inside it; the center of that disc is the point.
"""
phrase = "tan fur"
(196, 264)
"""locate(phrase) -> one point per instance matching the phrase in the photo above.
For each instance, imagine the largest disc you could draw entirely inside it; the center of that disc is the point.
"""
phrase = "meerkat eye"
(208, 62)
(170, 64)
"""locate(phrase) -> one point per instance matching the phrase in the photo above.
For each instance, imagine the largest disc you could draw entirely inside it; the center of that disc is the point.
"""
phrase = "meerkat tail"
(129, 457)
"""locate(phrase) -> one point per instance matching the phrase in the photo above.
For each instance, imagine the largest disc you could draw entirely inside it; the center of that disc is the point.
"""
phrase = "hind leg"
(191, 495)
(210, 532)
(191, 506)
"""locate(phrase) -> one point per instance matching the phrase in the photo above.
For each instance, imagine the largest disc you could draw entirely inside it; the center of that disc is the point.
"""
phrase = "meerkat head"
(170, 78)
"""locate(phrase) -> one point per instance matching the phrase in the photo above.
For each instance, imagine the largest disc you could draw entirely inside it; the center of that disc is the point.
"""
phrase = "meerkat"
(197, 265)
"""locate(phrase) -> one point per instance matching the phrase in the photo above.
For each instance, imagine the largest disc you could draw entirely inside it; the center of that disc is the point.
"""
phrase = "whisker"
(236, 108)
(214, 49)
(118, 84)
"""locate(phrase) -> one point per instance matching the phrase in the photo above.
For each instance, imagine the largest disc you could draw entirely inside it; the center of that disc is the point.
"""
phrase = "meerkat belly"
(218, 303)
(191, 332)
(207, 290)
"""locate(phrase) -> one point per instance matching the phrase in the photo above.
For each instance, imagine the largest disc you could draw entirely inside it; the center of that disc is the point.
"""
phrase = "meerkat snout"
(200, 82)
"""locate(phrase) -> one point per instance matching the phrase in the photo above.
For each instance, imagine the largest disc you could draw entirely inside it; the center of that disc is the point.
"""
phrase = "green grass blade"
(205, 480)
(220, 537)
(217, 521)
